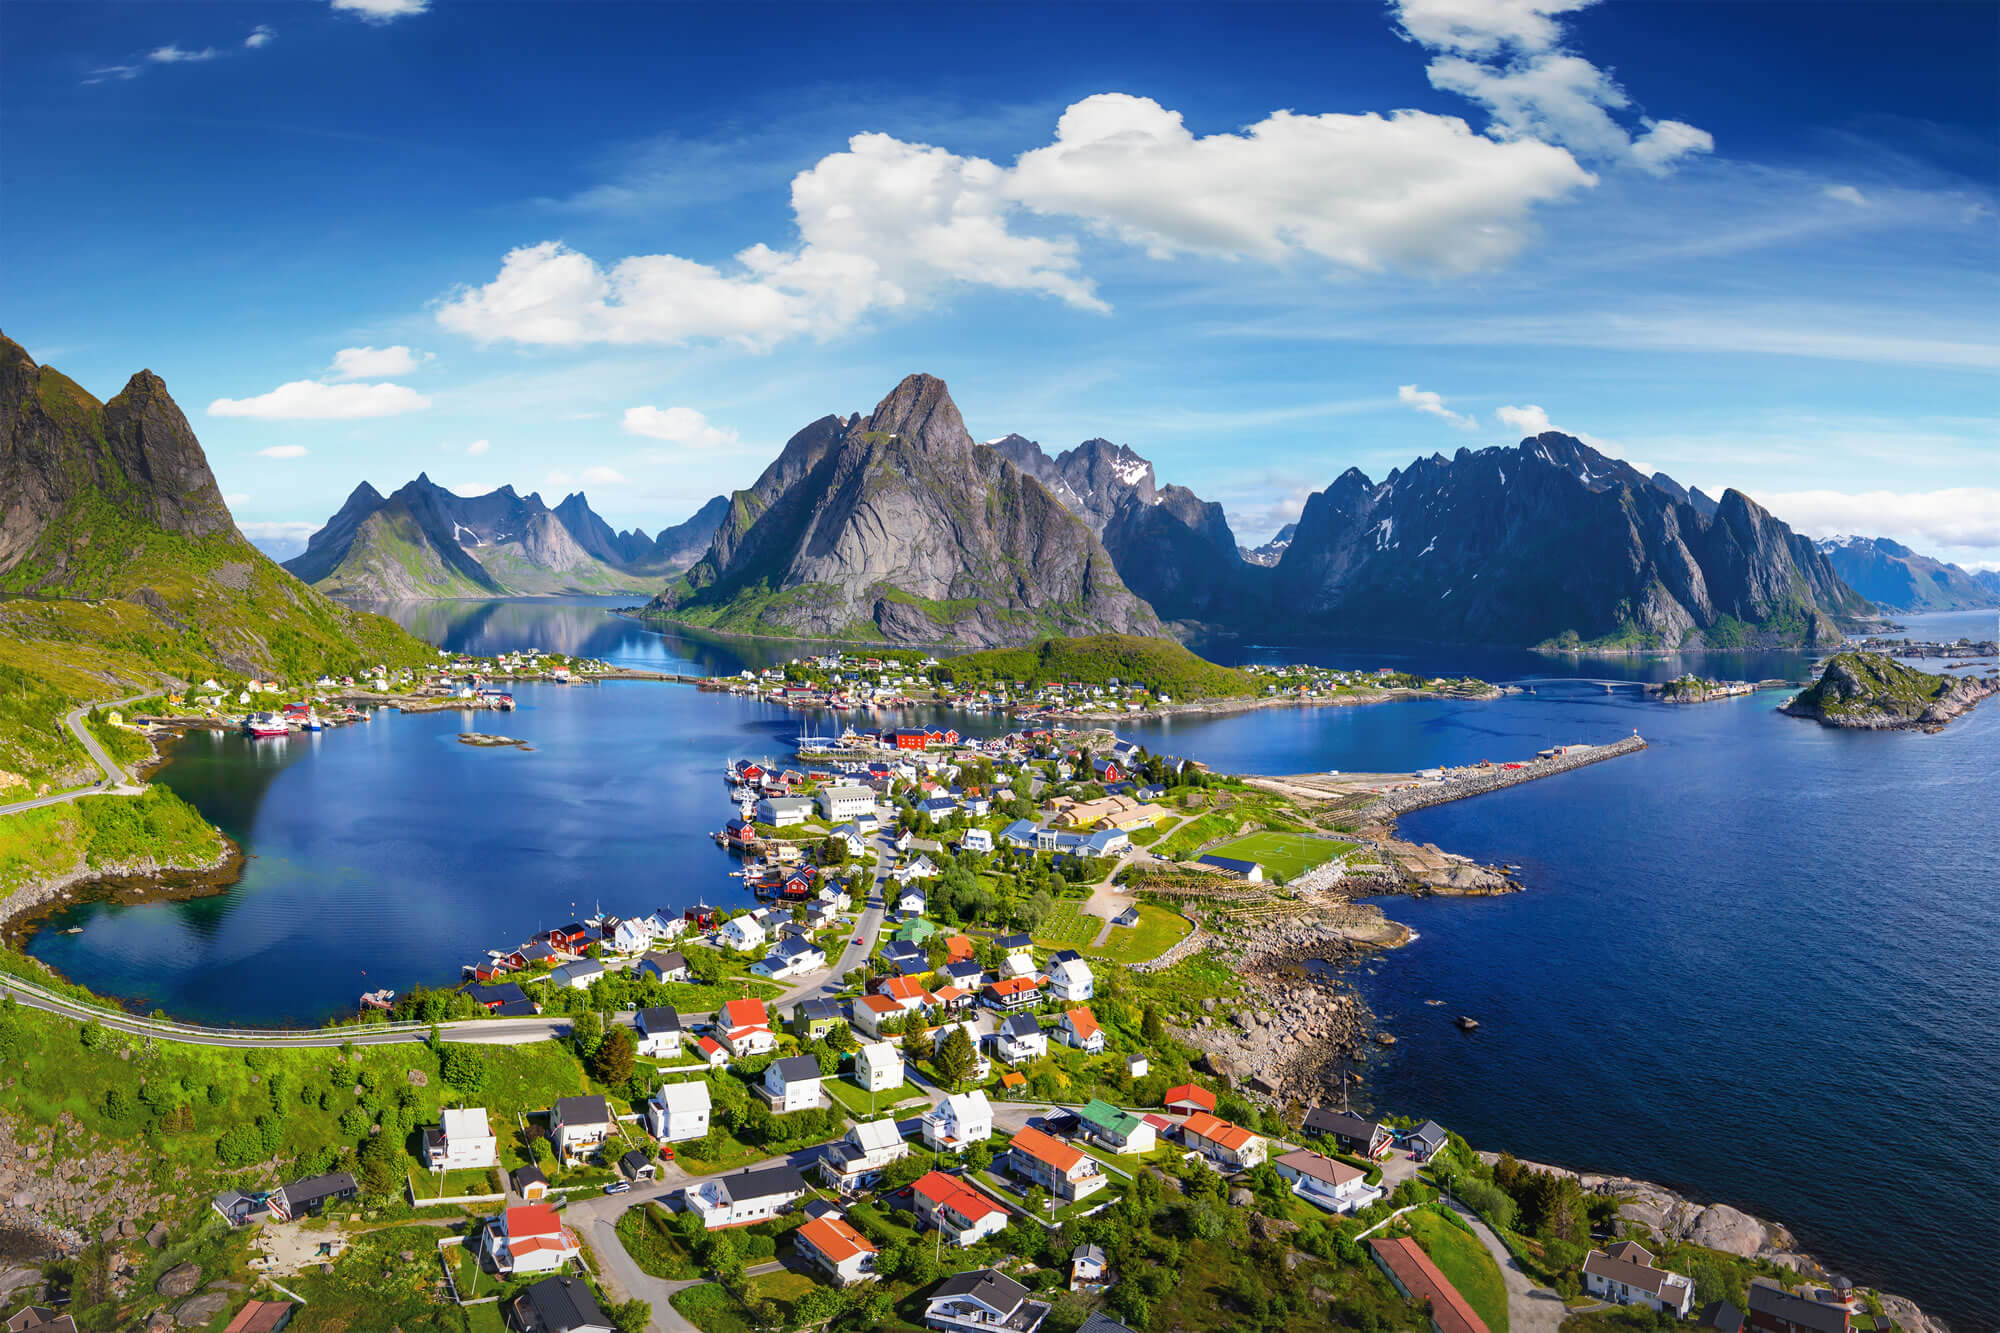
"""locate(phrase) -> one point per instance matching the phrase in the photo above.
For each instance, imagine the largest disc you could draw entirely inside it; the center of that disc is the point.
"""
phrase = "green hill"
(1161, 665)
(121, 571)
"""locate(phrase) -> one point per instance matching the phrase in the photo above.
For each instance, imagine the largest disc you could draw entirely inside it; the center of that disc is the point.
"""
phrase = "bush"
(1490, 1202)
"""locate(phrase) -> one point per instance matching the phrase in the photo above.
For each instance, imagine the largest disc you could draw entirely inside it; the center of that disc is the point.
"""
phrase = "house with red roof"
(1418, 1279)
(1224, 1144)
(965, 1215)
(833, 1244)
(529, 1238)
(1187, 1098)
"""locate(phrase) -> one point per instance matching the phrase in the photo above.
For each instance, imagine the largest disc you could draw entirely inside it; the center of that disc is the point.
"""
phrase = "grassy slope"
(390, 553)
(1879, 683)
(103, 831)
(1159, 664)
(1465, 1264)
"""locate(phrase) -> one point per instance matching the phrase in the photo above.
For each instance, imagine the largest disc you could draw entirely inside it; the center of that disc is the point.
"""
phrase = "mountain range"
(899, 526)
(424, 541)
(1898, 579)
(122, 569)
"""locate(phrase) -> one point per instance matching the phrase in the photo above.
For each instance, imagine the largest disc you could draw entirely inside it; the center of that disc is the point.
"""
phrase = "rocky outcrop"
(1873, 692)
(897, 527)
(1553, 543)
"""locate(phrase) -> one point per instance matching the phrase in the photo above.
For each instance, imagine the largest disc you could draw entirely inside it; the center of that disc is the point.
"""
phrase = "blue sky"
(630, 248)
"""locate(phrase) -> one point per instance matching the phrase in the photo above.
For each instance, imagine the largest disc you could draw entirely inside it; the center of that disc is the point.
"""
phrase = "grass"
(1183, 842)
(1159, 664)
(856, 1102)
(426, 1185)
(1068, 926)
(1285, 856)
(650, 1240)
(1464, 1261)
(1159, 930)
(711, 1309)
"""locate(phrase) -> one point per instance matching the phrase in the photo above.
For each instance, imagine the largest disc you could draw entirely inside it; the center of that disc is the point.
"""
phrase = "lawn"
(1465, 1263)
(653, 1245)
(426, 1185)
(1285, 856)
(854, 1101)
(1159, 929)
(1068, 926)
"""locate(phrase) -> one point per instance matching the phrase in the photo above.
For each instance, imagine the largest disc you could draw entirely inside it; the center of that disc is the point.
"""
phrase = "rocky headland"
(1874, 692)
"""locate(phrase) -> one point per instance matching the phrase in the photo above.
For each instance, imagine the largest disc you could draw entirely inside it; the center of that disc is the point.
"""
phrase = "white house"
(790, 957)
(981, 1301)
(1078, 1028)
(463, 1140)
(669, 966)
(1137, 1066)
(792, 1084)
(659, 1033)
(835, 896)
(963, 1214)
(579, 1125)
(831, 1243)
(744, 1028)
(529, 1238)
(870, 1011)
(742, 933)
(748, 1196)
(841, 801)
(1231, 1146)
(664, 925)
(960, 1120)
(784, 811)
(977, 840)
(1066, 1172)
(577, 975)
(1071, 981)
(1625, 1274)
(677, 1112)
(856, 1161)
(878, 1066)
(1325, 1181)
(1020, 1039)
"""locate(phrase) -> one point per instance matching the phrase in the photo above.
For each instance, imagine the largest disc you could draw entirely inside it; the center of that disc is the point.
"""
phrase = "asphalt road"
(115, 782)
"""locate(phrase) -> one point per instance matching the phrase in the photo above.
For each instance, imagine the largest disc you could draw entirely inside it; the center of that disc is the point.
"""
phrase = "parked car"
(618, 1187)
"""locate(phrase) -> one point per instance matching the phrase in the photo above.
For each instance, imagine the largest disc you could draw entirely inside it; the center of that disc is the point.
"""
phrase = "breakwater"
(1463, 783)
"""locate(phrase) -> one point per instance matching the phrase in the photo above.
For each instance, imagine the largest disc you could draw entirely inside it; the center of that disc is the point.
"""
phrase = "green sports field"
(1284, 856)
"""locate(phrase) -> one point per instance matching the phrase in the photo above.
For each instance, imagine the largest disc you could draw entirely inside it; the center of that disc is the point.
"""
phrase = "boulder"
(1241, 1198)
(156, 1236)
(419, 1079)
(200, 1311)
(180, 1280)
(1720, 1227)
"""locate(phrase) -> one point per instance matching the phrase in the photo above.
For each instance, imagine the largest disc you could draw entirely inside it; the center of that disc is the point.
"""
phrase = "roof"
(994, 1290)
(563, 1303)
(1010, 1079)
(1046, 1148)
(904, 988)
(689, 1096)
(467, 1122)
(807, 1011)
(1190, 1092)
(658, 1019)
(1219, 1132)
(254, 1317)
(958, 948)
(530, 1219)
(1320, 1167)
(1766, 1299)
(949, 1191)
(523, 1176)
(745, 1014)
(878, 1050)
(1099, 1322)
(834, 1238)
(319, 1187)
(1421, 1278)
(582, 1110)
(1013, 942)
(762, 1183)
(1630, 1265)
(1721, 1315)
(520, 1008)
(1082, 1021)
(876, 1135)
(1104, 1115)
(965, 1105)
(1020, 1025)
(796, 1068)
(1323, 1121)
(635, 1161)
(1015, 985)
(1430, 1132)
(1228, 863)
(878, 1004)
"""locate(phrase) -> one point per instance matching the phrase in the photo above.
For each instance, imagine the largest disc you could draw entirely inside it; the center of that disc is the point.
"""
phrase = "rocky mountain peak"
(920, 411)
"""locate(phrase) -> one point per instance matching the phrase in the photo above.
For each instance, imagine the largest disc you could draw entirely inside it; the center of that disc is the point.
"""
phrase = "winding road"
(115, 782)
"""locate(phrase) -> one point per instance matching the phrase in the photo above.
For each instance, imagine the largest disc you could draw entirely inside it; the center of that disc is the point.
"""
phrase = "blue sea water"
(1754, 962)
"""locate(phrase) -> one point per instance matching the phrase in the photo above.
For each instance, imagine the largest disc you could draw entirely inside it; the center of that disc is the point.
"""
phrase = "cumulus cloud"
(384, 11)
(1846, 194)
(478, 447)
(1959, 516)
(1529, 420)
(310, 400)
(677, 425)
(174, 55)
(261, 35)
(283, 451)
(1508, 56)
(355, 363)
(1433, 404)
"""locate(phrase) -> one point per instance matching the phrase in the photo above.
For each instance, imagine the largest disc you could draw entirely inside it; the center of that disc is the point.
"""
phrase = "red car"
(666, 1152)
(859, 940)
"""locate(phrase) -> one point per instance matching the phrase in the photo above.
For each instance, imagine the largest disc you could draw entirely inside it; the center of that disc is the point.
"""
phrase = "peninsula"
(1874, 692)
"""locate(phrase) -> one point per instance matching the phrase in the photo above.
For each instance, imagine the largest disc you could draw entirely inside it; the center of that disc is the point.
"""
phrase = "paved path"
(1530, 1309)
(115, 782)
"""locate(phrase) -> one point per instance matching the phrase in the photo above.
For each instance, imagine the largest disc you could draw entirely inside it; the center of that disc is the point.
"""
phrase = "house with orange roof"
(965, 1215)
(958, 949)
(1418, 1279)
(744, 1027)
(907, 992)
(832, 1243)
(529, 1238)
(871, 1011)
(1078, 1028)
(1014, 992)
(1065, 1171)
(1222, 1143)
(710, 1050)
(1187, 1098)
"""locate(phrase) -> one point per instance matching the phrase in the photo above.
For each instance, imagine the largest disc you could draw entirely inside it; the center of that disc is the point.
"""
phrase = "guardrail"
(171, 1027)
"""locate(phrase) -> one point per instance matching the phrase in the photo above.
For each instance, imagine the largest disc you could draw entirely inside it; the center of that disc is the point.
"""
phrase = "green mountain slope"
(121, 570)
(1159, 664)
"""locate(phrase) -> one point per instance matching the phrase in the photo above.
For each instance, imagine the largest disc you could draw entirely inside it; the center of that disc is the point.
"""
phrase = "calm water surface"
(1755, 961)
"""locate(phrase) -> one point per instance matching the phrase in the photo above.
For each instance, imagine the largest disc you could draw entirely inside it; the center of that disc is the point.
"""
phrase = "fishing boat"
(378, 999)
(265, 724)
(314, 722)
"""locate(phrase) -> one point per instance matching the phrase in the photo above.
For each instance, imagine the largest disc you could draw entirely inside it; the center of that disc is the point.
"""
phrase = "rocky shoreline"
(143, 880)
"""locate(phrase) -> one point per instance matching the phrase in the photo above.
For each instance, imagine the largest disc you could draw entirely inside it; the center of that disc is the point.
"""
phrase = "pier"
(1461, 783)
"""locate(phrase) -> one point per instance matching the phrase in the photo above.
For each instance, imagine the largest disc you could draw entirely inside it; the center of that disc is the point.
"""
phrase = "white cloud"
(174, 55)
(309, 400)
(1530, 420)
(261, 35)
(677, 425)
(283, 451)
(603, 476)
(1433, 403)
(1507, 55)
(1961, 516)
(356, 363)
(1846, 194)
(478, 447)
(236, 498)
(469, 489)
(383, 11)
(106, 72)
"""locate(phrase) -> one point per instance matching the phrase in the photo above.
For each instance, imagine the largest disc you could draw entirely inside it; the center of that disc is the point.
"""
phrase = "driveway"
(1530, 1309)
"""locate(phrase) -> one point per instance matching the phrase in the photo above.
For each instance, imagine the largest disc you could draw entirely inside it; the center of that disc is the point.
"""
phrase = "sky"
(630, 249)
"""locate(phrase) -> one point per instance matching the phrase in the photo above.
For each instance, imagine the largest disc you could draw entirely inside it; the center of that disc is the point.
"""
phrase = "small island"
(1873, 692)
(1693, 689)
(487, 741)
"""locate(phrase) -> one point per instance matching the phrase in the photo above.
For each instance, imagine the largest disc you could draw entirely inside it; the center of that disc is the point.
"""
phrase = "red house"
(911, 740)
(571, 936)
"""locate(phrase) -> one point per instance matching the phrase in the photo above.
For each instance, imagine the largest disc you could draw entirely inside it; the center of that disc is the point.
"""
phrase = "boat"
(314, 723)
(378, 999)
(266, 724)
(74, 930)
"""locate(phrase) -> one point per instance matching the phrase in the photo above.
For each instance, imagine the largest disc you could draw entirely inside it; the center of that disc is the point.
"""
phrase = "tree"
(1151, 1027)
(463, 1068)
(916, 1041)
(612, 1061)
(378, 1174)
(632, 1316)
(956, 1058)
(825, 1057)
(586, 1030)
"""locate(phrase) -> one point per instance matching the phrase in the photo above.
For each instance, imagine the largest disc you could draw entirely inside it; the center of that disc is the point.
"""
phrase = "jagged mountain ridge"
(1267, 554)
(897, 526)
(1897, 578)
(426, 541)
(1551, 542)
